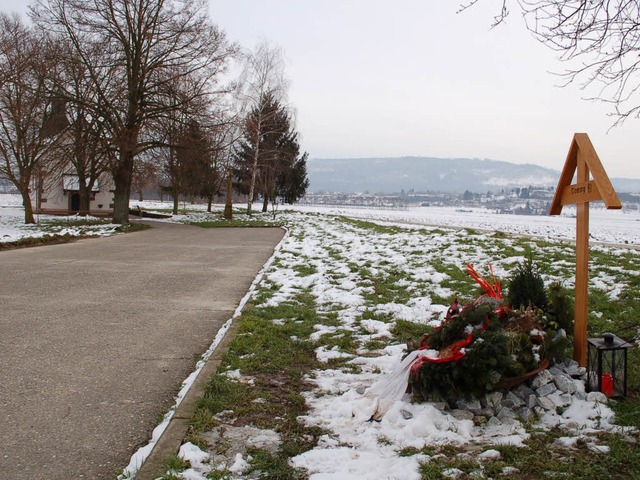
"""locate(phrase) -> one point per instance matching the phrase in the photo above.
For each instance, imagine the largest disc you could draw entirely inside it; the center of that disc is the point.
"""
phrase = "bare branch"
(497, 19)
(598, 40)
(27, 119)
(133, 51)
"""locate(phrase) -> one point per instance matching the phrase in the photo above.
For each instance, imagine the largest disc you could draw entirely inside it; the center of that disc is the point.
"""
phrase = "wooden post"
(582, 274)
(583, 158)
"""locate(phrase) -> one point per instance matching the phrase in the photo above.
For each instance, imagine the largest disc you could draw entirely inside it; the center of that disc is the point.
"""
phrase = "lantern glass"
(607, 365)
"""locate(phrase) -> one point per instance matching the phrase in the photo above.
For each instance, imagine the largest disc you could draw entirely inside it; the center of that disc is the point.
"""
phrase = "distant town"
(519, 201)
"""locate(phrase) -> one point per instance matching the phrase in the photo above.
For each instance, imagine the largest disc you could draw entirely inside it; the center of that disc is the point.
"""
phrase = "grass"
(577, 463)
(273, 347)
(371, 226)
(305, 270)
(404, 330)
(539, 458)
(38, 241)
(264, 351)
(172, 465)
(53, 239)
(240, 219)
(237, 222)
(272, 466)
(215, 218)
(132, 227)
(274, 350)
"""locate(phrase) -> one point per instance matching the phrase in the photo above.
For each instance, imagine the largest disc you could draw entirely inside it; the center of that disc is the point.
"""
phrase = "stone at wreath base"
(547, 390)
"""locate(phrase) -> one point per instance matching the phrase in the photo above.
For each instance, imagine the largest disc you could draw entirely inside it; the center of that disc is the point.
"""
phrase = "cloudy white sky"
(373, 78)
(412, 77)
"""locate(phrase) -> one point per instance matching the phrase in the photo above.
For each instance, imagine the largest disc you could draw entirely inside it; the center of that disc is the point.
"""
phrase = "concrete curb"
(169, 442)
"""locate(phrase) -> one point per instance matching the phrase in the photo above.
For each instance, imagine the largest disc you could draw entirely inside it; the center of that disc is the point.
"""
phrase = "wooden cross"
(583, 158)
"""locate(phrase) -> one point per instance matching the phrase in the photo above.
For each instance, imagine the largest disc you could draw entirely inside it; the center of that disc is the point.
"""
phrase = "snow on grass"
(370, 278)
(607, 226)
(346, 258)
(13, 228)
(349, 269)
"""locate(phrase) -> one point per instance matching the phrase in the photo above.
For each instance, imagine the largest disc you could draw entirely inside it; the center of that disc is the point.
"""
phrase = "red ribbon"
(494, 289)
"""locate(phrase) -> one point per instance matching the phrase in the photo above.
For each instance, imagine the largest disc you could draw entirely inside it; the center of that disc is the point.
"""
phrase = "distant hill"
(389, 175)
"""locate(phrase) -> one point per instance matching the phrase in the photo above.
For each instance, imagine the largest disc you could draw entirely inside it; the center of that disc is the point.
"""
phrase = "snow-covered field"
(357, 448)
(616, 227)
(13, 228)
(335, 252)
(605, 226)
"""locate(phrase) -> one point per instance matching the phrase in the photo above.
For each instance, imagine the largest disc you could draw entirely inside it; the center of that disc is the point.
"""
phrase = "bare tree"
(497, 19)
(145, 174)
(196, 155)
(277, 132)
(28, 129)
(222, 134)
(144, 45)
(170, 132)
(599, 40)
(178, 139)
(226, 135)
(263, 76)
(83, 151)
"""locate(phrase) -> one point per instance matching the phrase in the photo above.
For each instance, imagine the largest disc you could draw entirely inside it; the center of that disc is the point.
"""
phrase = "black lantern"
(607, 365)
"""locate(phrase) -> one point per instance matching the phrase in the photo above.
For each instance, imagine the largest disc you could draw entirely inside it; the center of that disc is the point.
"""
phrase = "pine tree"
(281, 170)
(526, 286)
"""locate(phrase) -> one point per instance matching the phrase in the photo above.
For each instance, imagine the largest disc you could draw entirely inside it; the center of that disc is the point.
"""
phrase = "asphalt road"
(96, 337)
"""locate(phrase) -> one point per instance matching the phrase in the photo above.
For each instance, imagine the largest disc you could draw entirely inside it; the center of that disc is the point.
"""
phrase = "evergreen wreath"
(483, 345)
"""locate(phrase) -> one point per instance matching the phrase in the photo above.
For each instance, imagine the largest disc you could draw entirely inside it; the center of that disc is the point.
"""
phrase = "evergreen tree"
(293, 183)
(194, 153)
(526, 286)
(281, 170)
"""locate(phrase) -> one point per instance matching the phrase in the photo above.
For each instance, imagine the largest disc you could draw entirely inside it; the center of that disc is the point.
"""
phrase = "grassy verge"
(53, 239)
(132, 227)
(238, 222)
(269, 349)
(538, 459)
(240, 219)
(38, 241)
(274, 352)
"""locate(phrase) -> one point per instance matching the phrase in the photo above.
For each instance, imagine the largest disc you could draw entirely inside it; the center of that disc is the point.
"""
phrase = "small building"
(55, 187)
(59, 194)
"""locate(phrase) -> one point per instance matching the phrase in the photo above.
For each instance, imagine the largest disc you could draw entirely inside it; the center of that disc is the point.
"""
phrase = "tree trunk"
(84, 192)
(122, 178)
(252, 184)
(209, 202)
(28, 208)
(265, 204)
(176, 200)
(228, 205)
(254, 168)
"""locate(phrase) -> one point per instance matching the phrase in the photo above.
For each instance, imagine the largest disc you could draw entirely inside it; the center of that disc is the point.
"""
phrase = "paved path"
(96, 337)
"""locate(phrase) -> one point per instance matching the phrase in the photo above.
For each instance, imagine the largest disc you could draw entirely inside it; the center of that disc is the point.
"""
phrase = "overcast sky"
(373, 78)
